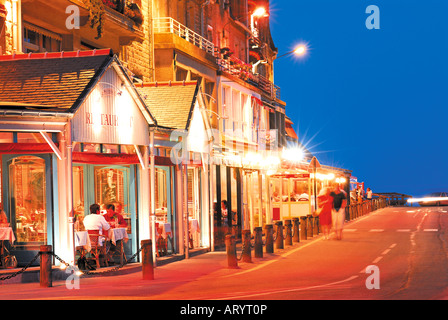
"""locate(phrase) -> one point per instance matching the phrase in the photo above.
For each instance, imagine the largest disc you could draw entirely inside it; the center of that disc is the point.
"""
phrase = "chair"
(96, 247)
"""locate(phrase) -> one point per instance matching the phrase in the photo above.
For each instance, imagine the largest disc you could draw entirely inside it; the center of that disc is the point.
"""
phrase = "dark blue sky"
(372, 101)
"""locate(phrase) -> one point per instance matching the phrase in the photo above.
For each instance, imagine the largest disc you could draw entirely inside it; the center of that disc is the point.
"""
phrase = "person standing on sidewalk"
(325, 203)
(338, 213)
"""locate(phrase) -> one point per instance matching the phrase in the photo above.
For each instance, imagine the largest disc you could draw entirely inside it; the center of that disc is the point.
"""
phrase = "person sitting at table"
(3, 218)
(95, 221)
(112, 217)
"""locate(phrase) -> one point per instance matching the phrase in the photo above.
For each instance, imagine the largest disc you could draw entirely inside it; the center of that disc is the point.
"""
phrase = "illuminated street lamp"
(299, 51)
(258, 13)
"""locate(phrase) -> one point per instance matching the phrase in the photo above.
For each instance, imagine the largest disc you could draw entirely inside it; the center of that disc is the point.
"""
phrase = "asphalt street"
(391, 254)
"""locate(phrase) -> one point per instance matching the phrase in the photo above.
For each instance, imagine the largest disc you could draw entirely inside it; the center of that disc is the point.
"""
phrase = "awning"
(290, 131)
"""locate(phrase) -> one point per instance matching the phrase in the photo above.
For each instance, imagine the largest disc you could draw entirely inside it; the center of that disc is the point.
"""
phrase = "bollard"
(288, 238)
(316, 225)
(258, 242)
(269, 238)
(46, 279)
(309, 226)
(303, 231)
(296, 228)
(279, 235)
(232, 261)
(246, 254)
(147, 260)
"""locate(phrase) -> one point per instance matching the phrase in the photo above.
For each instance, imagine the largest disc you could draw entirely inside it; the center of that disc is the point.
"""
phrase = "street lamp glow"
(300, 50)
(260, 12)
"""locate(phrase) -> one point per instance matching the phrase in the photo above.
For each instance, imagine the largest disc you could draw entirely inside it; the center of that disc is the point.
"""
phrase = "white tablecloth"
(82, 240)
(194, 225)
(118, 234)
(7, 234)
(163, 229)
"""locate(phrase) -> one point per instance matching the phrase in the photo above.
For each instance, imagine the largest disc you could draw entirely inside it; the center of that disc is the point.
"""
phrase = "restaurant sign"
(110, 115)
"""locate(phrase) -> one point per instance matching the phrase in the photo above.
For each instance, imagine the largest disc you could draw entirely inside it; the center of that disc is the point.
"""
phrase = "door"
(28, 203)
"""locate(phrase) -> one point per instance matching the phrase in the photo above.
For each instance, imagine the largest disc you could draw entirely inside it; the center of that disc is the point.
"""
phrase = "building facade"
(214, 155)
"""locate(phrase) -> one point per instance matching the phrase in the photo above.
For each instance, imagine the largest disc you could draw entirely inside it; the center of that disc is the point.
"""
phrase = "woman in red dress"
(325, 203)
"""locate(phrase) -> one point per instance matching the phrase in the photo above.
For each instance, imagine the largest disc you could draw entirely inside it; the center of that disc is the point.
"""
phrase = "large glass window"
(111, 188)
(28, 198)
(78, 196)
(161, 195)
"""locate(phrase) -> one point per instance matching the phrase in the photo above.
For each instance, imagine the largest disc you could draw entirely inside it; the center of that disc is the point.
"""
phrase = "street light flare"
(260, 12)
(301, 50)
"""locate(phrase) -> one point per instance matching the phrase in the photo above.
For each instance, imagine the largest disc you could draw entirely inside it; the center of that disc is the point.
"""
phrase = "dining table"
(120, 236)
(193, 225)
(163, 233)
(82, 241)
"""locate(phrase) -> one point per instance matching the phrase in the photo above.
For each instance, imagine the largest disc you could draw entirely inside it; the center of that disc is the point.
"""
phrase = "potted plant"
(96, 15)
(132, 10)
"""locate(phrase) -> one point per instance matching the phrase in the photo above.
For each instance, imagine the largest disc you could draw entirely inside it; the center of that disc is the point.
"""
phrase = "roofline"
(140, 98)
(195, 97)
(57, 55)
(35, 113)
(166, 84)
(93, 82)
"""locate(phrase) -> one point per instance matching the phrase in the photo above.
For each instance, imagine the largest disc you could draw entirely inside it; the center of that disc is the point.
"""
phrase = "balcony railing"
(169, 25)
(227, 63)
(238, 68)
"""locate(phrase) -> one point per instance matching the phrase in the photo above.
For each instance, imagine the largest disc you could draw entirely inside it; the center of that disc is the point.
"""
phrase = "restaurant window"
(224, 197)
(30, 137)
(234, 203)
(78, 196)
(28, 198)
(6, 137)
(300, 190)
(161, 195)
(111, 187)
(91, 148)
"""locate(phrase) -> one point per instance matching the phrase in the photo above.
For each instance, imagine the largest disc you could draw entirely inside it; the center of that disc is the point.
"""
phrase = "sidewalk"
(201, 260)
(31, 274)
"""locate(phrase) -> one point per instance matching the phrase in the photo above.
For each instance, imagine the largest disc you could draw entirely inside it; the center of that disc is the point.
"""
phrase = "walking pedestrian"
(369, 194)
(325, 203)
(338, 213)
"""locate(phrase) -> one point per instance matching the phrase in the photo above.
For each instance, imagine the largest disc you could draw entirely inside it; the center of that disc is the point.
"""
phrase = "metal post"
(46, 279)
(232, 261)
(279, 233)
(147, 260)
(258, 242)
(296, 228)
(247, 255)
(310, 226)
(288, 239)
(303, 231)
(269, 238)
(316, 226)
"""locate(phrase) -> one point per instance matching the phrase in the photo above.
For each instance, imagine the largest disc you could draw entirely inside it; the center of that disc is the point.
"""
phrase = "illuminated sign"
(110, 115)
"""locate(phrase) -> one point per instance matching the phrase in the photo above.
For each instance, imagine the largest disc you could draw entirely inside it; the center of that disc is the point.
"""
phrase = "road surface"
(392, 254)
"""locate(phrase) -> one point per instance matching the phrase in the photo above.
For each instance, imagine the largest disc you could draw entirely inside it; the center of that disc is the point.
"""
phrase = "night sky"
(371, 101)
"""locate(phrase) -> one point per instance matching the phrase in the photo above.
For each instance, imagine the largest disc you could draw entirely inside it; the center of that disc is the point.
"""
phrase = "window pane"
(28, 190)
(6, 137)
(30, 137)
(161, 195)
(110, 188)
(78, 195)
